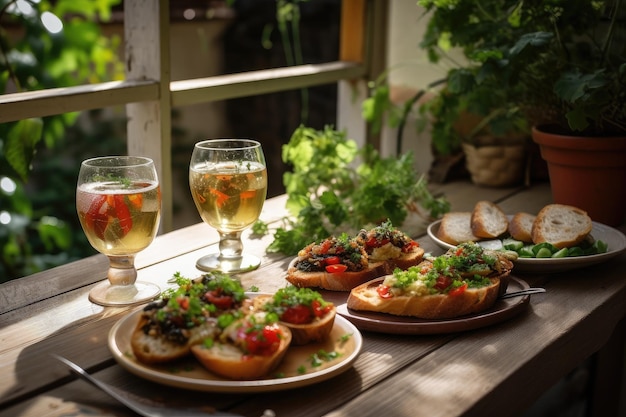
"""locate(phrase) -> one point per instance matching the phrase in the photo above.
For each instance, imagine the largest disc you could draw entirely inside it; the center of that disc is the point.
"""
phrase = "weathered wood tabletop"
(500, 369)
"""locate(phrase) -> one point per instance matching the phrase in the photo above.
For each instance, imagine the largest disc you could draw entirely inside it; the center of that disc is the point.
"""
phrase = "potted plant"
(566, 63)
(475, 119)
(470, 117)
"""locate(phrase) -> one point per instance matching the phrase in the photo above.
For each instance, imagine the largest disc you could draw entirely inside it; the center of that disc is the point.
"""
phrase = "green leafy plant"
(561, 62)
(336, 187)
(38, 227)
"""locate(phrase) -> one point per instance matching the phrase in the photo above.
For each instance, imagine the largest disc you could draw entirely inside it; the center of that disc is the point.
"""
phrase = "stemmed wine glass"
(228, 181)
(118, 200)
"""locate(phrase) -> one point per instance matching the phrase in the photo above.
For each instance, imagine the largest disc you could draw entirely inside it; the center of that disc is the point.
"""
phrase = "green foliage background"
(38, 224)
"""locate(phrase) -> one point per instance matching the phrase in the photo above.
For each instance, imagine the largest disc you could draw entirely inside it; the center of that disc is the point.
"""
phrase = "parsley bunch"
(336, 187)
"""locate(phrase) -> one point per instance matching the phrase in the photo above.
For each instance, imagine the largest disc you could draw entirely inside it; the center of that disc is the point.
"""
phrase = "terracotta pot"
(587, 172)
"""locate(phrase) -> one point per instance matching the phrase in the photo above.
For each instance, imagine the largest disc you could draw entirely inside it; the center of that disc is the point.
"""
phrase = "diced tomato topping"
(183, 302)
(337, 268)
(459, 252)
(261, 342)
(409, 246)
(458, 290)
(332, 260)
(384, 291)
(318, 310)
(372, 242)
(299, 314)
(442, 282)
(325, 246)
(221, 301)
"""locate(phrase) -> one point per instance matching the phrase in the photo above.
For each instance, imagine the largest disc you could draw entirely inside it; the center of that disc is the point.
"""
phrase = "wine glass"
(228, 181)
(118, 199)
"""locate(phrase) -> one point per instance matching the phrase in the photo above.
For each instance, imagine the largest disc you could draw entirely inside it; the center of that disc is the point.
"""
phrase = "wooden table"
(497, 370)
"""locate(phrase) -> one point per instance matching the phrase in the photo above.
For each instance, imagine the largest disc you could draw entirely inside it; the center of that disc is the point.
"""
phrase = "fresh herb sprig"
(335, 187)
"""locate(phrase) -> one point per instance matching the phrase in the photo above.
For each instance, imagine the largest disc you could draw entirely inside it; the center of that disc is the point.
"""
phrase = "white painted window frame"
(149, 94)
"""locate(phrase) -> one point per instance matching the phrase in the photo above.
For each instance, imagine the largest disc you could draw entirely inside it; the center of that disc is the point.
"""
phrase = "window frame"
(149, 94)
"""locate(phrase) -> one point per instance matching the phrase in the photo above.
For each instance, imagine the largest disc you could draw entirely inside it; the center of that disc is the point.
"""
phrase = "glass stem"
(231, 246)
(122, 270)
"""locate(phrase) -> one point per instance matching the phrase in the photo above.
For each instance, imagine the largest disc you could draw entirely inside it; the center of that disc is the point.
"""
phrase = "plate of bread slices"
(462, 289)
(555, 239)
(208, 334)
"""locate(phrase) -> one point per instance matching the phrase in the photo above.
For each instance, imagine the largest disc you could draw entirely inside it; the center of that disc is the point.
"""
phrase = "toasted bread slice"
(561, 225)
(488, 220)
(455, 228)
(153, 348)
(337, 281)
(228, 360)
(365, 297)
(521, 226)
(316, 331)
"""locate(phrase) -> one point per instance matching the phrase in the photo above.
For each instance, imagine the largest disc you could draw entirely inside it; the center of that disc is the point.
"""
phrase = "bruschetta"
(303, 310)
(386, 243)
(467, 279)
(341, 263)
(184, 316)
(337, 264)
(246, 349)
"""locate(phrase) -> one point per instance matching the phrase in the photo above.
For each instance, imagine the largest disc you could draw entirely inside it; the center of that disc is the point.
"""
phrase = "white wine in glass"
(118, 200)
(228, 181)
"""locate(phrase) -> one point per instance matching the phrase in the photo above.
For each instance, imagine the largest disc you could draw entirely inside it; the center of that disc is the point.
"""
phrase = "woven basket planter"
(496, 165)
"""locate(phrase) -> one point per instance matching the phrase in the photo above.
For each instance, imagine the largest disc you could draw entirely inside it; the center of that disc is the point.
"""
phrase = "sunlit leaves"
(20, 145)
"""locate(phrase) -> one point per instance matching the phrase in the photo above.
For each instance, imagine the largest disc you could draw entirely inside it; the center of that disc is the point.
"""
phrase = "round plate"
(502, 310)
(615, 240)
(189, 374)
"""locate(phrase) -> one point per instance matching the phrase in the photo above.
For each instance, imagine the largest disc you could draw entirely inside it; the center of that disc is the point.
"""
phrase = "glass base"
(213, 262)
(109, 295)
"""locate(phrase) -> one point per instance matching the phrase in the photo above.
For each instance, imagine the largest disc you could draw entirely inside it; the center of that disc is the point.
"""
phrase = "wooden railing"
(149, 94)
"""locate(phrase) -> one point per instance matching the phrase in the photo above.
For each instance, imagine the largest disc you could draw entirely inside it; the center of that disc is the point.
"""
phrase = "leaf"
(54, 233)
(20, 146)
(535, 39)
(576, 119)
(573, 84)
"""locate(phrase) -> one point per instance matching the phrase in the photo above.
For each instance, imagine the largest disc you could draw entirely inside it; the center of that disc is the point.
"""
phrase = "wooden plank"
(352, 35)
(149, 123)
(511, 363)
(222, 87)
(41, 103)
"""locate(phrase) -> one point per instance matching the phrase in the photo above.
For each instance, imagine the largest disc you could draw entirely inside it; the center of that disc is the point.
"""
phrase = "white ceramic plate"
(615, 240)
(189, 374)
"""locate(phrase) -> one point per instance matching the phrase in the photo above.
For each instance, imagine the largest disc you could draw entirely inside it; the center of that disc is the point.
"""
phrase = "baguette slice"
(153, 349)
(302, 334)
(455, 228)
(406, 260)
(488, 220)
(561, 225)
(438, 306)
(338, 281)
(521, 226)
(229, 361)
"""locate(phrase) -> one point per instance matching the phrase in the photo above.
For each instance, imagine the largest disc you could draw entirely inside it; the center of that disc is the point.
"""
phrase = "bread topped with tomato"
(303, 310)
(389, 244)
(248, 347)
(341, 263)
(185, 316)
(465, 280)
